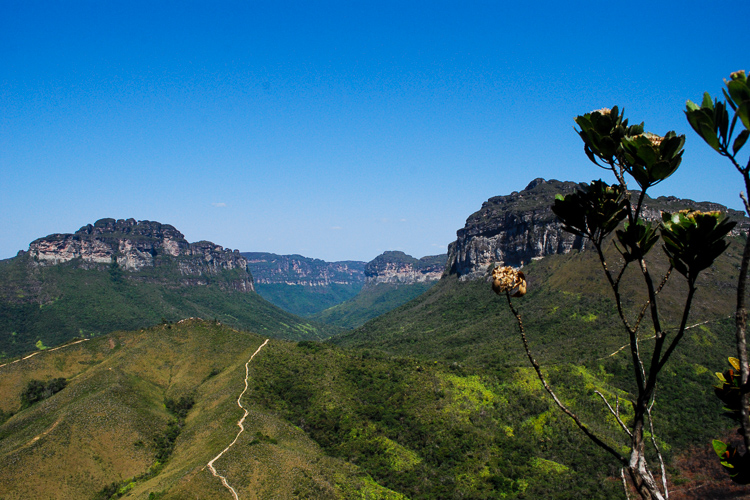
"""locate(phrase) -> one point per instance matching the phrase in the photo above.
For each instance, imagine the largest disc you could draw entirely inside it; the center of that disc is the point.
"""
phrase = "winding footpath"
(45, 350)
(239, 423)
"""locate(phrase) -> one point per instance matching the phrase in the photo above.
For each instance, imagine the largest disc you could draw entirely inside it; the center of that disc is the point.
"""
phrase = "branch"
(615, 413)
(658, 452)
(601, 444)
(624, 484)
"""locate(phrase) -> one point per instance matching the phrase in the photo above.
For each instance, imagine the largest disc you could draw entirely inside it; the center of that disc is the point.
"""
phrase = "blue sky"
(335, 130)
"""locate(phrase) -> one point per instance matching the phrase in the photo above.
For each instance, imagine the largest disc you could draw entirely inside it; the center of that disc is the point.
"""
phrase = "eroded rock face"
(270, 268)
(514, 229)
(135, 245)
(399, 268)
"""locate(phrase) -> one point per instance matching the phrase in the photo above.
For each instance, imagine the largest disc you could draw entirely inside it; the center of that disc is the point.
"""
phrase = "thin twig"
(615, 413)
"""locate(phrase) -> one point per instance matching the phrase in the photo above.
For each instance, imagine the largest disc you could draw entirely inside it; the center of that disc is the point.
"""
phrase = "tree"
(711, 122)
(607, 214)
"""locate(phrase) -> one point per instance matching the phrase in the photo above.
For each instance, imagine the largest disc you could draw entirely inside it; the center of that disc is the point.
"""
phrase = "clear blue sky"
(335, 130)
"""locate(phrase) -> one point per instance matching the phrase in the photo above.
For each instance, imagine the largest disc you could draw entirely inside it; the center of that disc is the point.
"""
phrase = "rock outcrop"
(272, 269)
(136, 245)
(519, 227)
(399, 268)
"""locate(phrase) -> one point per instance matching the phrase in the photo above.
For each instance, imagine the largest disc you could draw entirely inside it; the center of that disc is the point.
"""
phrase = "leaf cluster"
(711, 121)
(592, 212)
(693, 239)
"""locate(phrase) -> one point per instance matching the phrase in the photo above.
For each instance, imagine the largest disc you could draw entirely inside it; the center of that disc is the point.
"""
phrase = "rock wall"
(270, 268)
(397, 267)
(136, 245)
(519, 227)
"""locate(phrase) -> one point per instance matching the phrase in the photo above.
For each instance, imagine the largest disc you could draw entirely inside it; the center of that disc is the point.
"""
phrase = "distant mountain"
(330, 291)
(127, 274)
(302, 285)
(392, 279)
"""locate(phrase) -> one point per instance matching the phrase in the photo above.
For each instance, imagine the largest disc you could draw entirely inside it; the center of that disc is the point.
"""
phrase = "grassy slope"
(337, 424)
(54, 304)
(370, 303)
(101, 428)
(569, 319)
(306, 300)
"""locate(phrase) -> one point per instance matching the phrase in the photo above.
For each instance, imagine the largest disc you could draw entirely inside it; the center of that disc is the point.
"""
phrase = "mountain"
(302, 285)
(517, 228)
(127, 274)
(568, 314)
(434, 399)
(391, 280)
(140, 414)
(343, 294)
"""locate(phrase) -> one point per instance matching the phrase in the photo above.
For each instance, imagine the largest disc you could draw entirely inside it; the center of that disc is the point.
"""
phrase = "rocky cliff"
(519, 227)
(272, 269)
(136, 246)
(397, 267)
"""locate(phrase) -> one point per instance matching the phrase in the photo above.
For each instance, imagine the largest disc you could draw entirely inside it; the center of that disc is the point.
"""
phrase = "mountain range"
(431, 399)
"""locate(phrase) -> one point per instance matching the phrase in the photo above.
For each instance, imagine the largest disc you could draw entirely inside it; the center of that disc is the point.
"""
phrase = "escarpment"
(398, 268)
(138, 246)
(517, 228)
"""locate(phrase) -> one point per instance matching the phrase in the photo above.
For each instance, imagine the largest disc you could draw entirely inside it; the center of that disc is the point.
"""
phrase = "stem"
(741, 330)
(601, 444)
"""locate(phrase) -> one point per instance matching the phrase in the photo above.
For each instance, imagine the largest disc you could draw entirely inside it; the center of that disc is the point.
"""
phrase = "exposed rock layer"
(397, 267)
(519, 227)
(137, 245)
(270, 268)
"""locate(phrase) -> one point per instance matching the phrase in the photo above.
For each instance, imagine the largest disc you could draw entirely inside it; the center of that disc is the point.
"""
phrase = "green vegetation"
(36, 391)
(711, 121)
(46, 306)
(307, 300)
(371, 302)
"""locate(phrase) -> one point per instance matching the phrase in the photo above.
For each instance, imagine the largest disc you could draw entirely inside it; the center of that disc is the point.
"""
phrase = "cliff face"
(138, 245)
(516, 228)
(397, 267)
(271, 269)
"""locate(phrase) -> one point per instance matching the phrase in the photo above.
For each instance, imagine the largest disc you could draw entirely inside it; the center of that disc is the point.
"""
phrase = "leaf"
(707, 102)
(719, 447)
(720, 376)
(735, 363)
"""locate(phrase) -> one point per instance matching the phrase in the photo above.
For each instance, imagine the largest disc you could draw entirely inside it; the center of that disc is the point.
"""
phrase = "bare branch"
(658, 452)
(601, 444)
(615, 413)
(624, 484)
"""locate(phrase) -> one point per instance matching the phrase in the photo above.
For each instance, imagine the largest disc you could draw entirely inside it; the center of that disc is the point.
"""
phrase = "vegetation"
(711, 121)
(371, 302)
(307, 300)
(54, 304)
(36, 391)
(692, 240)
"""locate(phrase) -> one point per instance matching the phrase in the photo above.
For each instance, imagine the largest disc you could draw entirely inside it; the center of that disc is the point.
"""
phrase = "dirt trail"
(46, 350)
(239, 423)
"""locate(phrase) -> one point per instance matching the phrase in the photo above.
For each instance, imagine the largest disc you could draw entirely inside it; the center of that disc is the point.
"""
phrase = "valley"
(411, 384)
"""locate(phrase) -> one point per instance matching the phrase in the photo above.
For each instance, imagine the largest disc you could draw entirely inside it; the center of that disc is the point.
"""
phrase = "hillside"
(127, 275)
(323, 423)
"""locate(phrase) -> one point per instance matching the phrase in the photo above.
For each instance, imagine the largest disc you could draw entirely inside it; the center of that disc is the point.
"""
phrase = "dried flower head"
(603, 111)
(506, 279)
